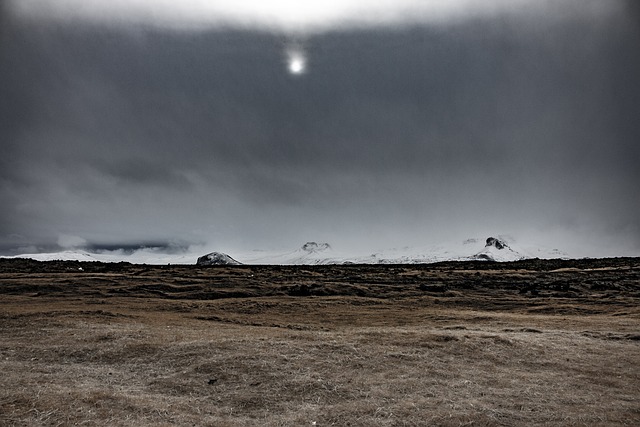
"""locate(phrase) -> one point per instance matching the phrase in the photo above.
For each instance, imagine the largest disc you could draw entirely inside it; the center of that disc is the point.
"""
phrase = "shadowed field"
(526, 343)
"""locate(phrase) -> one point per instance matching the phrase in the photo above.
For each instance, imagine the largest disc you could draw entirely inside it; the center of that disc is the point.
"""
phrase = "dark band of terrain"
(545, 286)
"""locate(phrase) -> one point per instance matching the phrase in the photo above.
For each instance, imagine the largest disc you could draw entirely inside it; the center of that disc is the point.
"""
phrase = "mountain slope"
(500, 248)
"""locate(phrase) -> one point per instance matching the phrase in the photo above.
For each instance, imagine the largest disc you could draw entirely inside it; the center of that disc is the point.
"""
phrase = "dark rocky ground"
(566, 278)
(536, 342)
(586, 285)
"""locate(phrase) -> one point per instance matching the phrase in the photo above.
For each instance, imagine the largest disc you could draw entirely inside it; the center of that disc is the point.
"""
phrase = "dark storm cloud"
(127, 135)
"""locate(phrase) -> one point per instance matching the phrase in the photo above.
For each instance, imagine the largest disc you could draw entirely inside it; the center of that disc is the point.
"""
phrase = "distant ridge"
(497, 248)
(313, 247)
(217, 258)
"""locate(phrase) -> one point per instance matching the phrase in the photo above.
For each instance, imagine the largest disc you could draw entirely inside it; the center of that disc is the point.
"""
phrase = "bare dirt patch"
(527, 343)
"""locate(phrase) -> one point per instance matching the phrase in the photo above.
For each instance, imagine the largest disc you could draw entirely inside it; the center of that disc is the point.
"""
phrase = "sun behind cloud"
(297, 64)
(296, 59)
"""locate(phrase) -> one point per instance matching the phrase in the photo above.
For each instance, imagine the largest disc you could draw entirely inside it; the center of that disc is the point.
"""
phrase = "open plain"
(553, 343)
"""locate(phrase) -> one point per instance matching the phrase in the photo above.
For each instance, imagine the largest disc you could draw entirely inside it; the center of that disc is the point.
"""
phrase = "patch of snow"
(59, 256)
(311, 253)
(495, 248)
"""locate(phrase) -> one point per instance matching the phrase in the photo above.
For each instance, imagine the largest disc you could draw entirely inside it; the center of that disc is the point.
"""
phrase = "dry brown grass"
(295, 361)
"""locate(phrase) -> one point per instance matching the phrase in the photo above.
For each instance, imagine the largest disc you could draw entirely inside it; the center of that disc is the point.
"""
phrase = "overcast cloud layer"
(522, 123)
(308, 16)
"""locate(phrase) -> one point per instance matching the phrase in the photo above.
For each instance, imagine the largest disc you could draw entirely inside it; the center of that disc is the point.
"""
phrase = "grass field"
(454, 344)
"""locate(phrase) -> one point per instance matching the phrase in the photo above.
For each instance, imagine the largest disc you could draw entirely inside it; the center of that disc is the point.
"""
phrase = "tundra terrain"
(552, 343)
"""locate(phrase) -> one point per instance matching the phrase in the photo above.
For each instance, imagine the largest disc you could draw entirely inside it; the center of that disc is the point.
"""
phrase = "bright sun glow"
(296, 65)
(296, 61)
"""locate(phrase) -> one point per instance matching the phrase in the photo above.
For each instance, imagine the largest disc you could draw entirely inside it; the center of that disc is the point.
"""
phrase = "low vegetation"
(483, 344)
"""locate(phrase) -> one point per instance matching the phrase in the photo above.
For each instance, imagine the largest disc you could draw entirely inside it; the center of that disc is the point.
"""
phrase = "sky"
(246, 125)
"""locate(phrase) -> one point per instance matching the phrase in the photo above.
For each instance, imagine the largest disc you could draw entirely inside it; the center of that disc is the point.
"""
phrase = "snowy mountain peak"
(496, 249)
(217, 258)
(496, 243)
(313, 247)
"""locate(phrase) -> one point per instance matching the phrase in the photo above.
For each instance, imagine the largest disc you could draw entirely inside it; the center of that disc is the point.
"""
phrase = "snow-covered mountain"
(142, 256)
(60, 256)
(501, 248)
(498, 248)
(491, 249)
(310, 253)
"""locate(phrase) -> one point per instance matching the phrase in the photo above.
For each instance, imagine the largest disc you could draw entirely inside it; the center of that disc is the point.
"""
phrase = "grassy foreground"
(445, 345)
